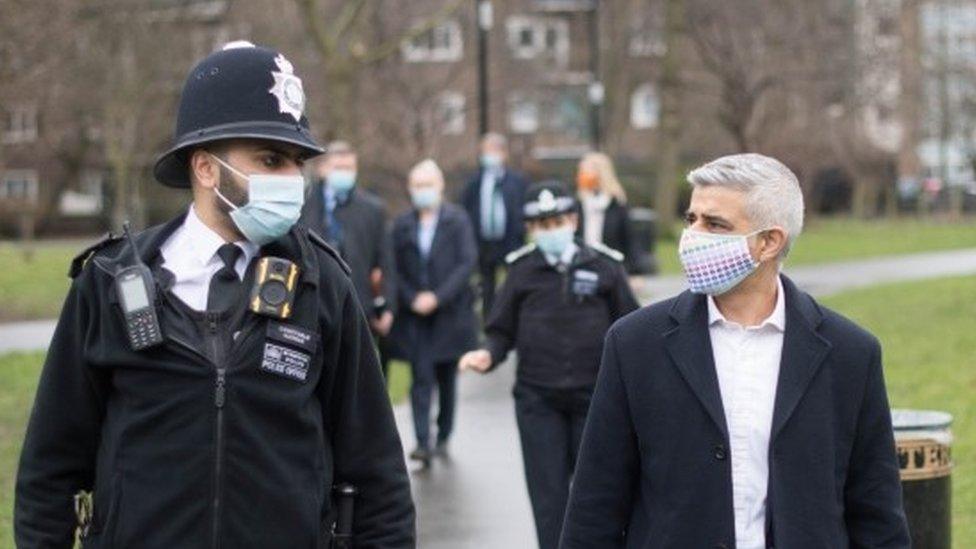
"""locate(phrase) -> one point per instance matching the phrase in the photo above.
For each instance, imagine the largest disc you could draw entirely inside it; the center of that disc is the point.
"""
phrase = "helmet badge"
(547, 201)
(287, 89)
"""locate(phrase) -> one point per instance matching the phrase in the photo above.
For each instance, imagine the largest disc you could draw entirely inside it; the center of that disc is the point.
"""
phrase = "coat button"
(720, 452)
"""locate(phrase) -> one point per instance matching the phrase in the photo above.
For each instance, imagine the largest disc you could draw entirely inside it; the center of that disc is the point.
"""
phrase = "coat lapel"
(804, 351)
(690, 347)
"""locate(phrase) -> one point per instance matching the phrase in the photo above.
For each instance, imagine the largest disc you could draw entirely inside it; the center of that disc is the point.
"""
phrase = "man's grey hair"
(495, 139)
(773, 195)
(339, 147)
(427, 169)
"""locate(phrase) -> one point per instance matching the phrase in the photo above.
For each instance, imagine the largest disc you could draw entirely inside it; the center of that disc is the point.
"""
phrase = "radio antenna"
(132, 242)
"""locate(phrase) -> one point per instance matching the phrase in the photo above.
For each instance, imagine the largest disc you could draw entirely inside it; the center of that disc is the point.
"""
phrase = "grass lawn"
(928, 332)
(34, 287)
(830, 240)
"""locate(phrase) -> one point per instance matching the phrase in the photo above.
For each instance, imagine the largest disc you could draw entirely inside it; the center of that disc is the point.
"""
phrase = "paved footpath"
(477, 498)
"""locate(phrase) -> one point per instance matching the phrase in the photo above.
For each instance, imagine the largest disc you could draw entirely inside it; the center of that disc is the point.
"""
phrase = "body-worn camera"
(273, 293)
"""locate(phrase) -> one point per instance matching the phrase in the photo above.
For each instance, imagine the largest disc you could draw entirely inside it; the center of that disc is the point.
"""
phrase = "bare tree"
(346, 44)
(669, 142)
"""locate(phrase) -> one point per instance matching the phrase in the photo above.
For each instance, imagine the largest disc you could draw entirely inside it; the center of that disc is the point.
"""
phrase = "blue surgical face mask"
(553, 241)
(491, 161)
(425, 198)
(274, 204)
(341, 181)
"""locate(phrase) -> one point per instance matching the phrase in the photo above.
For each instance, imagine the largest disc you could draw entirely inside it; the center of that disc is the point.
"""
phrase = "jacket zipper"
(219, 398)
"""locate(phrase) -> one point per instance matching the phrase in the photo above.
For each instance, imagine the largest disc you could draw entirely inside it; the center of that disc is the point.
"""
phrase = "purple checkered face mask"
(715, 263)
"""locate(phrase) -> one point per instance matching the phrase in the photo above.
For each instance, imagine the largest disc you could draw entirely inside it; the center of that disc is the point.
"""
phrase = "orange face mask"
(587, 181)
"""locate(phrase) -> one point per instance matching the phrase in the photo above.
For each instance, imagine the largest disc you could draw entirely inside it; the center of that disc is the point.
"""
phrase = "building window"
(645, 107)
(523, 114)
(21, 124)
(19, 185)
(440, 44)
(449, 113)
(535, 37)
(88, 200)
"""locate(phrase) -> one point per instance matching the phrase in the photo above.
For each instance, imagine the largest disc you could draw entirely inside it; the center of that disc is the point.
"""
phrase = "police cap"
(547, 199)
(241, 91)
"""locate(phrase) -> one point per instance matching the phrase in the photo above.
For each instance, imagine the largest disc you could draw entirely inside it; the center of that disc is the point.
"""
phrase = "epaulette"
(80, 260)
(519, 253)
(317, 239)
(615, 255)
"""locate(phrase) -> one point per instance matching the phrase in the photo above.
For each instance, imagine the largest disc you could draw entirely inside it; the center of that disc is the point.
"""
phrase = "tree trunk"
(669, 135)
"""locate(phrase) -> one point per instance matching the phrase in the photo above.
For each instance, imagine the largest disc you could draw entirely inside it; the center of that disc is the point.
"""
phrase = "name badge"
(288, 351)
(585, 282)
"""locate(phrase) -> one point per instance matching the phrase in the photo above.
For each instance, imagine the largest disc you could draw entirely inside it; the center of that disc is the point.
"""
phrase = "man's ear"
(773, 242)
(204, 170)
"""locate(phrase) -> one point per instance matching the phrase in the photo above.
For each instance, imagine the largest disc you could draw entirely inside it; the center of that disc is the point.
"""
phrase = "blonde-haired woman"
(603, 206)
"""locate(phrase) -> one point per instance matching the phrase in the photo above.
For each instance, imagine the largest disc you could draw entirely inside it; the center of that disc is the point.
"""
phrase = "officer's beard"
(231, 190)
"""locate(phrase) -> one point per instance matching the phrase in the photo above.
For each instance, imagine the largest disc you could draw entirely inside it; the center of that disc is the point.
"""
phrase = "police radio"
(135, 286)
(273, 293)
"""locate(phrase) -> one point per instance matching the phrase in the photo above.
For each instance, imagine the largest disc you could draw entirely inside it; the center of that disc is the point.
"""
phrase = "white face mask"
(274, 204)
(716, 263)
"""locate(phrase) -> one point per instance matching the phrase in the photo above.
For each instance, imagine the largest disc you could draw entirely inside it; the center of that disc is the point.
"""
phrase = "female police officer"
(230, 429)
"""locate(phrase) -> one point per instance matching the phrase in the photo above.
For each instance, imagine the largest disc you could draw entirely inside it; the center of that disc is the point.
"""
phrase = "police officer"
(554, 308)
(231, 430)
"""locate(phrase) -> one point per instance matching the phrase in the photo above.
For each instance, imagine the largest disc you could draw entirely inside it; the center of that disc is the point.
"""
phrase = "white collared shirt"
(594, 213)
(425, 232)
(190, 253)
(747, 361)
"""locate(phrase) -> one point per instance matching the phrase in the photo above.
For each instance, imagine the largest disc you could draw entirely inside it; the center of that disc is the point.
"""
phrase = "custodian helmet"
(241, 91)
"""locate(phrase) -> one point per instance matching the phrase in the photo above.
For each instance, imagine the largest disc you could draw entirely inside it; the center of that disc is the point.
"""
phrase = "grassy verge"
(18, 381)
(831, 240)
(928, 332)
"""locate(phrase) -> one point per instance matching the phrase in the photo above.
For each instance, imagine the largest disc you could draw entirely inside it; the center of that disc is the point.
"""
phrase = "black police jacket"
(184, 452)
(556, 320)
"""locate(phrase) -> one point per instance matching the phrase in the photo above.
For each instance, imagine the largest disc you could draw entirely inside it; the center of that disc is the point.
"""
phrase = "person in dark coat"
(353, 220)
(604, 216)
(171, 413)
(740, 413)
(435, 255)
(555, 306)
(493, 199)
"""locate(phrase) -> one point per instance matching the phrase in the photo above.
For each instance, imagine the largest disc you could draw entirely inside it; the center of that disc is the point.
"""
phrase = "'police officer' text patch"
(284, 361)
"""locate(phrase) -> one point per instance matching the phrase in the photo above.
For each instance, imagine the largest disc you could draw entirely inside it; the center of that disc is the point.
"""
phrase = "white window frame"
(450, 112)
(640, 117)
(519, 121)
(423, 53)
(538, 26)
(27, 177)
(20, 125)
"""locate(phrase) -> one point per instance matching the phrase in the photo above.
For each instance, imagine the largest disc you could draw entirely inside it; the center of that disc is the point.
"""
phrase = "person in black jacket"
(554, 308)
(232, 428)
(435, 256)
(493, 199)
(740, 413)
(604, 216)
(353, 220)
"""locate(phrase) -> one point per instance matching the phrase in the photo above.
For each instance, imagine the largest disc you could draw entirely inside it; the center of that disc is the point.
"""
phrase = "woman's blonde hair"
(607, 175)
